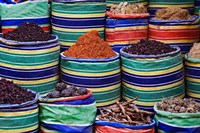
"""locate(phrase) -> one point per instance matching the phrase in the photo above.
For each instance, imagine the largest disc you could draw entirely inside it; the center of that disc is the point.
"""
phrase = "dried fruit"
(11, 93)
(61, 90)
(176, 105)
(126, 113)
(28, 32)
(150, 47)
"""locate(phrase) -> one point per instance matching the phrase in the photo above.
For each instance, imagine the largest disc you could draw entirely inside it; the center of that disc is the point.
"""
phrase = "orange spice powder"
(90, 45)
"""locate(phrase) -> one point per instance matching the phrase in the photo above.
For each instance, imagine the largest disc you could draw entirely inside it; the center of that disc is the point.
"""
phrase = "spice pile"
(195, 51)
(150, 47)
(61, 90)
(125, 113)
(28, 32)
(90, 45)
(127, 8)
(11, 93)
(172, 13)
(176, 105)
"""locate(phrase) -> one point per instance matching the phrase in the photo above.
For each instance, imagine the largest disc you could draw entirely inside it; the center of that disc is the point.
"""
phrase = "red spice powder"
(90, 45)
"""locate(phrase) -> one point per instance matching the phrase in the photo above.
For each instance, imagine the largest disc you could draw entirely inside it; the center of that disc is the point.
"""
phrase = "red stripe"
(174, 34)
(5, 30)
(126, 35)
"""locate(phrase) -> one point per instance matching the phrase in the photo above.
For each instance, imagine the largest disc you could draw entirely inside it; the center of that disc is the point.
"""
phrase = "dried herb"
(126, 113)
(177, 105)
(151, 47)
(11, 93)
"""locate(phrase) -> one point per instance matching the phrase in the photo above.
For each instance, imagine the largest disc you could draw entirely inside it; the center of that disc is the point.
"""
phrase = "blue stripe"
(185, 47)
(152, 80)
(91, 81)
(191, 72)
(16, 22)
(174, 129)
(114, 23)
(76, 24)
(67, 128)
(20, 109)
(89, 100)
(29, 74)
(32, 131)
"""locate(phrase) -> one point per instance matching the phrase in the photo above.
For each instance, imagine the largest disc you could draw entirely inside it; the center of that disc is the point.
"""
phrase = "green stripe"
(91, 67)
(106, 96)
(71, 114)
(24, 122)
(79, 8)
(42, 88)
(29, 60)
(151, 65)
(25, 9)
(151, 96)
(193, 86)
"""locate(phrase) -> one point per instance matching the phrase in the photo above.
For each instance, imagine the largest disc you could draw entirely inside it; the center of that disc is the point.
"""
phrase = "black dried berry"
(60, 86)
(66, 93)
(54, 94)
(82, 91)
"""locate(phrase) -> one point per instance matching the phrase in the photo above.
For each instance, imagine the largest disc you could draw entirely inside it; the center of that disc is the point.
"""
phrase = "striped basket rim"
(90, 60)
(149, 56)
(194, 60)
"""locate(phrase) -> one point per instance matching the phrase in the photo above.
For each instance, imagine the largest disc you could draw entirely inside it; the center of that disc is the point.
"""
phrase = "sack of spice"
(175, 27)
(192, 72)
(196, 7)
(67, 109)
(151, 70)
(18, 108)
(30, 57)
(126, 24)
(91, 63)
(124, 117)
(13, 15)
(175, 115)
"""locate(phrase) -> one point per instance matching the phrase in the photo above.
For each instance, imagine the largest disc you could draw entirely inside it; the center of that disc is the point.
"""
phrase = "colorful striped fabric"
(175, 33)
(110, 2)
(177, 122)
(20, 118)
(10, 1)
(30, 11)
(122, 32)
(71, 20)
(152, 77)
(192, 69)
(113, 127)
(67, 116)
(35, 67)
(197, 7)
(154, 5)
(101, 76)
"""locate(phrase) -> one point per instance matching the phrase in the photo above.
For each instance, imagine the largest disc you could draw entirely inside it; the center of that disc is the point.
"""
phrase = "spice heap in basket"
(195, 51)
(127, 8)
(125, 113)
(11, 93)
(177, 105)
(28, 32)
(61, 90)
(90, 45)
(172, 13)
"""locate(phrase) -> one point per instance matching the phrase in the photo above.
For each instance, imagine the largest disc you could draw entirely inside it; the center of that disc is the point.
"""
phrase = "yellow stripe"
(78, 15)
(192, 64)
(90, 74)
(176, 41)
(174, 27)
(5, 27)
(29, 52)
(66, 43)
(33, 82)
(127, 28)
(76, 30)
(154, 72)
(21, 113)
(110, 88)
(146, 103)
(153, 88)
(195, 95)
(115, 43)
(20, 130)
(193, 79)
(108, 103)
(165, 6)
(30, 67)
